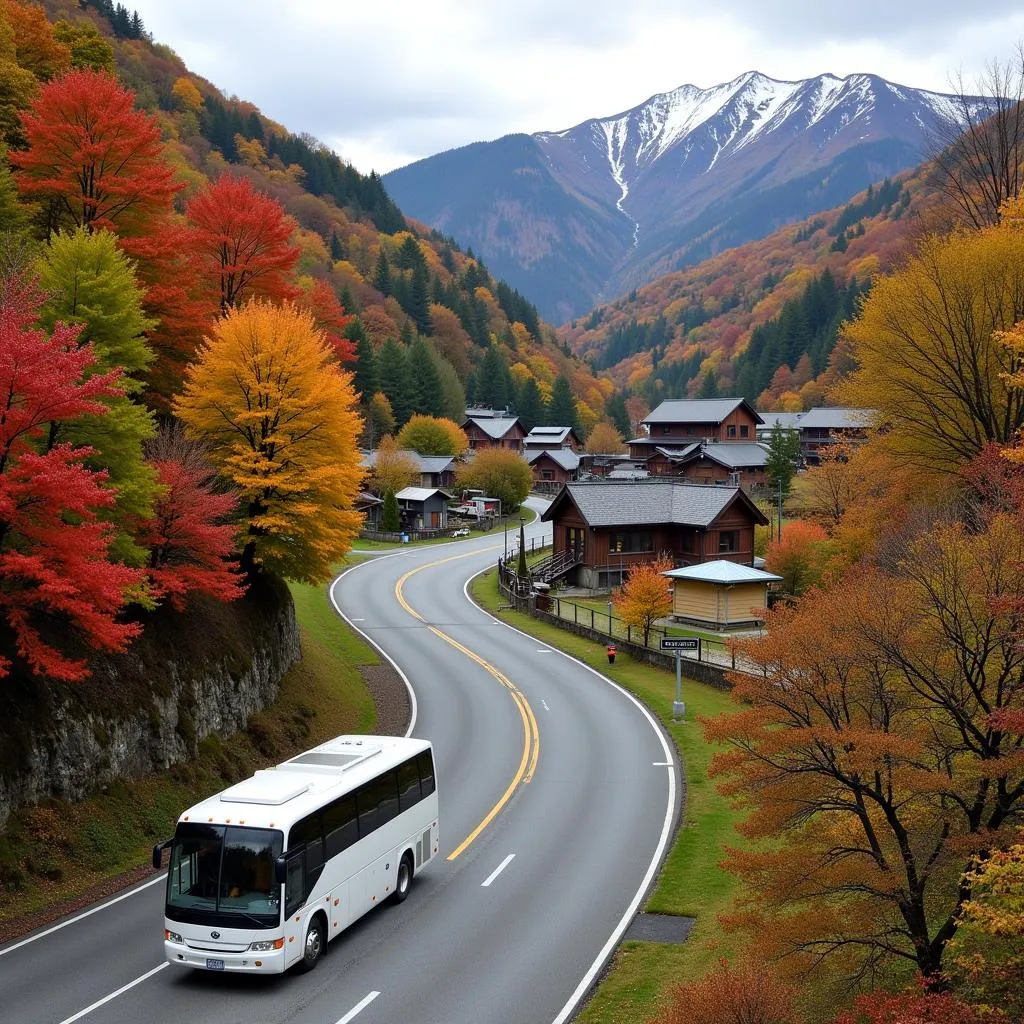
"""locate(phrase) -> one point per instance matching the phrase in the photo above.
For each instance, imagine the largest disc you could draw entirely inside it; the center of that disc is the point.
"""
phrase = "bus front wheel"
(404, 880)
(313, 947)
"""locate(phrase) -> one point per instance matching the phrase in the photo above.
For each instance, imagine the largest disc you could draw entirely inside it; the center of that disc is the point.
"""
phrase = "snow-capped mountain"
(576, 216)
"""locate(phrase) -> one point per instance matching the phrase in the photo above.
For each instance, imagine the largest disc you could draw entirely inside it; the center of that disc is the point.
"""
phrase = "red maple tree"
(189, 541)
(94, 160)
(244, 242)
(54, 547)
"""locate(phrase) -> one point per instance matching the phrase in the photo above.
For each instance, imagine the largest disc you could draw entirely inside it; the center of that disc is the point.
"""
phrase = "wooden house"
(606, 527)
(678, 422)
(720, 594)
(493, 428)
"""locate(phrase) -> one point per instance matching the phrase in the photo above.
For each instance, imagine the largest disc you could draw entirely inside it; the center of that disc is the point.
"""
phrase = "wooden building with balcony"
(602, 529)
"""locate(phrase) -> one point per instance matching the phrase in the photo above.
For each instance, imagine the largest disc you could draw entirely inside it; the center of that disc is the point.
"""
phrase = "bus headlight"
(173, 937)
(266, 947)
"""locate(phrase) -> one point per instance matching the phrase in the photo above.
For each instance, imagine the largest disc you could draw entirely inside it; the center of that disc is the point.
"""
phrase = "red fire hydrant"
(611, 654)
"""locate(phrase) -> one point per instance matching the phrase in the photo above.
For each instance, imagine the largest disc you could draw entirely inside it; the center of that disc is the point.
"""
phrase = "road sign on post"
(680, 643)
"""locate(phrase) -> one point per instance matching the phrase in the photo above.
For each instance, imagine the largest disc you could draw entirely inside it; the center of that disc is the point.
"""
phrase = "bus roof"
(279, 796)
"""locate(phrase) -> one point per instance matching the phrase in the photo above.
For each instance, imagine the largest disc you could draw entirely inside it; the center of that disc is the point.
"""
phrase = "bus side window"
(366, 802)
(426, 765)
(387, 805)
(340, 828)
(294, 886)
(408, 785)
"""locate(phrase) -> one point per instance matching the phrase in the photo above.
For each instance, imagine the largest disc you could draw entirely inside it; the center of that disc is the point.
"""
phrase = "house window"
(728, 541)
(632, 542)
(690, 431)
(744, 430)
(666, 428)
(547, 474)
(731, 430)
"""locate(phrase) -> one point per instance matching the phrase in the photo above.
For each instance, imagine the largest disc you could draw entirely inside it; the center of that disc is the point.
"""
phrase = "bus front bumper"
(270, 962)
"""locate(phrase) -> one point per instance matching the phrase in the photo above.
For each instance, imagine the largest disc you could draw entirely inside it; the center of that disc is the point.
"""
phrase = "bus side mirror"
(280, 871)
(158, 853)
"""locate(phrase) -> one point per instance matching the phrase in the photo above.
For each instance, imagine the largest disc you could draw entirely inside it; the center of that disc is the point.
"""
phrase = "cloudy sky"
(385, 82)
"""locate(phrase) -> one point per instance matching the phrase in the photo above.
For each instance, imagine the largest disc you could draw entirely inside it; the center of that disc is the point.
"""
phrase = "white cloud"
(392, 81)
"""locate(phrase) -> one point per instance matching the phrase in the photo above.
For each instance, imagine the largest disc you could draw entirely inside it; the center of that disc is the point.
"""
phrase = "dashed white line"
(497, 871)
(357, 620)
(662, 764)
(113, 995)
(545, 703)
(543, 650)
(359, 1007)
(79, 917)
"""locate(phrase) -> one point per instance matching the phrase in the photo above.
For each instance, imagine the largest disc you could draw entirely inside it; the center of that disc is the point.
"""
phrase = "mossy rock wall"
(189, 675)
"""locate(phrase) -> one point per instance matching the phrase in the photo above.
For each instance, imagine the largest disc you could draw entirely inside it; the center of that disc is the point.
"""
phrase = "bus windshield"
(224, 875)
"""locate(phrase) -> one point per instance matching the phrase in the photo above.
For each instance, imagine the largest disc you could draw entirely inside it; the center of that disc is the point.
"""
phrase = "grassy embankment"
(57, 851)
(691, 883)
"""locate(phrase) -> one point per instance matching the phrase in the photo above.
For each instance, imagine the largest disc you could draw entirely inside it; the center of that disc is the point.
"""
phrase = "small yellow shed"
(720, 594)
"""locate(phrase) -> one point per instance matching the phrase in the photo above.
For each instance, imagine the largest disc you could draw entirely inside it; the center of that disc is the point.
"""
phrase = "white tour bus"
(264, 874)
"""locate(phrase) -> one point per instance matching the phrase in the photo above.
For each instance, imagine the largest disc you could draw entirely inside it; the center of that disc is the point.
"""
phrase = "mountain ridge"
(626, 197)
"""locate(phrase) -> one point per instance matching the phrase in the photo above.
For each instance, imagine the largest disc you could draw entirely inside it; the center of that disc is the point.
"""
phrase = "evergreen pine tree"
(615, 407)
(390, 521)
(13, 216)
(783, 456)
(426, 380)
(348, 303)
(337, 249)
(561, 411)
(530, 404)
(367, 380)
(410, 256)
(396, 381)
(708, 386)
(406, 335)
(419, 299)
(382, 275)
(489, 391)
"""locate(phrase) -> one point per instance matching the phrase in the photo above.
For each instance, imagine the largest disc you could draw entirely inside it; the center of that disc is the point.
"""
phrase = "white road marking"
(543, 650)
(497, 871)
(72, 920)
(545, 703)
(358, 620)
(113, 995)
(359, 1007)
(662, 764)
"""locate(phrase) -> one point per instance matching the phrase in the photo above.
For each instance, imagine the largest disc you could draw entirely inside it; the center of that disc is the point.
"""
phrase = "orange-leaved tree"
(244, 242)
(745, 993)
(279, 419)
(433, 435)
(93, 160)
(799, 556)
(645, 596)
(605, 439)
(870, 754)
(393, 468)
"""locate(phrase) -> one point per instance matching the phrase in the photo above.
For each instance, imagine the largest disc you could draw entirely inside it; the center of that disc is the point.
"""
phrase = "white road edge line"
(543, 650)
(497, 871)
(359, 1007)
(87, 913)
(373, 643)
(666, 829)
(113, 995)
(661, 764)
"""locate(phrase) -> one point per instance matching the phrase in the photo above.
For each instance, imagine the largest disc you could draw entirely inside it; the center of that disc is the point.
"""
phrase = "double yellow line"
(531, 736)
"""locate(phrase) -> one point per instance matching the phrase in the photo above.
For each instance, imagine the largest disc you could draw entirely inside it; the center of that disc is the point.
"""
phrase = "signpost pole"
(678, 707)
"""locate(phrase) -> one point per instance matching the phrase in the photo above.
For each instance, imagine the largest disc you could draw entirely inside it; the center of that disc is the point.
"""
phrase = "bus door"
(294, 899)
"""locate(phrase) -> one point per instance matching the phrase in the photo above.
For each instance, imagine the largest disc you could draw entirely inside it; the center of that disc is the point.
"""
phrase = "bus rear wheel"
(313, 948)
(404, 880)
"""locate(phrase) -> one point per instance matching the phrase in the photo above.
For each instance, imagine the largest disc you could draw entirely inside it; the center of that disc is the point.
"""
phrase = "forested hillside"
(760, 320)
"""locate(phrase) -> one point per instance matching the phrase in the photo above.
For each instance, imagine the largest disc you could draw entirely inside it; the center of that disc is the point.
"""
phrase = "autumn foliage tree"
(278, 417)
(54, 542)
(747, 993)
(605, 439)
(189, 536)
(393, 468)
(917, 1007)
(433, 435)
(499, 473)
(799, 556)
(645, 596)
(93, 161)
(244, 240)
(869, 752)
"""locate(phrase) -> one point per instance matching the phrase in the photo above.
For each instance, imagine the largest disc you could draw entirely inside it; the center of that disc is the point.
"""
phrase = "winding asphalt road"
(558, 794)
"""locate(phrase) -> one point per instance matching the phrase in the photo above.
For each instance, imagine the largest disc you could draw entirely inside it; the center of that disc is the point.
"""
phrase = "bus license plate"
(215, 965)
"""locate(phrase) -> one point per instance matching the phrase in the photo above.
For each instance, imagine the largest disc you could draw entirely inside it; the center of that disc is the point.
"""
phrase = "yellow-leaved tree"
(278, 417)
(929, 357)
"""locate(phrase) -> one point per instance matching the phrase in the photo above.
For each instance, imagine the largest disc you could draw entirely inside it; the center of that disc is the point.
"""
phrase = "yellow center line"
(531, 735)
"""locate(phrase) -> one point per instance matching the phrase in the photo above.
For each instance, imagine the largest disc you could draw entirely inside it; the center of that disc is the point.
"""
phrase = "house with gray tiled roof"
(681, 421)
(605, 528)
(493, 428)
(821, 426)
(740, 463)
(435, 470)
(552, 467)
(552, 437)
